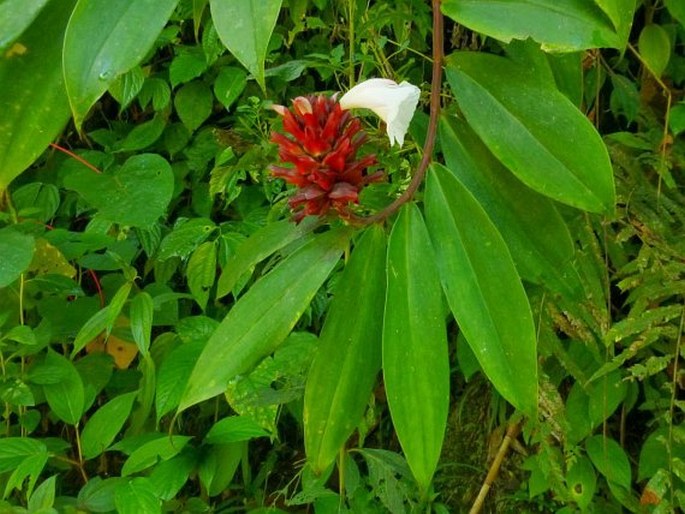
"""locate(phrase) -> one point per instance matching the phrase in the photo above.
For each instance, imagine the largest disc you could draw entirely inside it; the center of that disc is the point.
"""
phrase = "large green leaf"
(348, 359)
(258, 247)
(415, 359)
(17, 15)
(136, 194)
(33, 101)
(263, 317)
(483, 289)
(17, 252)
(66, 397)
(105, 424)
(104, 39)
(562, 26)
(534, 130)
(535, 232)
(620, 12)
(245, 28)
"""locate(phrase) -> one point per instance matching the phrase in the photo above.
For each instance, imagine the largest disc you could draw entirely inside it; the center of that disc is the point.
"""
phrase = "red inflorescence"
(323, 154)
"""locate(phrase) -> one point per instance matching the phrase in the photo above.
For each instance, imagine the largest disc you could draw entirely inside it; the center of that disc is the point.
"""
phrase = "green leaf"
(655, 48)
(169, 476)
(149, 453)
(201, 272)
(105, 424)
(581, 481)
(118, 34)
(17, 252)
(348, 358)
(136, 194)
(98, 495)
(17, 16)
(142, 311)
(174, 373)
(534, 231)
(142, 135)
(13, 450)
(233, 429)
(135, 496)
(245, 28)
(620, 12)
(264, 316)
(193, 103)
(258, 247)
(30, 468)
(534, 130)
(127, 86)
(229, 85)
(483, 288)
(415, 359)
(677, 10)
(43, 497)
(33, 101)
(185, 237)
(217, 468)
(96, 324)
(66, 397)
(568, 26)
(609, 459)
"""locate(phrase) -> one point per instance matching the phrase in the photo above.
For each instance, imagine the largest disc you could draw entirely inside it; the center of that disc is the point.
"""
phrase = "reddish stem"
(436, 83)
(74, 156)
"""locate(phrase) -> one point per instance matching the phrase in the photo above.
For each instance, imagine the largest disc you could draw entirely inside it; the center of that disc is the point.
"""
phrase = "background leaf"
(561, 26)
(245, 28)
(33, 100)
(348, 358)
(136, 194)
(105, 424)
(263, 317)
(65, 397)
(17, 16)
(104, 39)
(483, 289)
(17, 251)
(415, 360)
(527, 124)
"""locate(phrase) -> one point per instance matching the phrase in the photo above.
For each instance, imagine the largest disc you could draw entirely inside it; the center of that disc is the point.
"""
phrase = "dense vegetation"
(217, 295)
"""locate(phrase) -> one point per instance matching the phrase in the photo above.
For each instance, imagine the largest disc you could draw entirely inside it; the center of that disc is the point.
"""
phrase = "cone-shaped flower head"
(322, 150)
(393, 103)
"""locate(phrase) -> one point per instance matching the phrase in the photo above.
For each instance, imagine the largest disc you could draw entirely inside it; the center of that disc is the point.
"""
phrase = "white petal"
(393, 103)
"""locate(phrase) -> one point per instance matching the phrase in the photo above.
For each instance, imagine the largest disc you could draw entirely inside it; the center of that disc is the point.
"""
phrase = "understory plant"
(258, 255)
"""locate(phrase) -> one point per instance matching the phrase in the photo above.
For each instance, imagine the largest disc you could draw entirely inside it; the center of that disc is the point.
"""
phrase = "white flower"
(393, 103)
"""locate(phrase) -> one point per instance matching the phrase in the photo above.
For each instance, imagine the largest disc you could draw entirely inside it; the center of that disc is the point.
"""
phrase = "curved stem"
(436, 83)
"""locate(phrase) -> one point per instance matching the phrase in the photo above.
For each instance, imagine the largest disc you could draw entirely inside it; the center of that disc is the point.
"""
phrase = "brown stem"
(436, 84)
(512, 433)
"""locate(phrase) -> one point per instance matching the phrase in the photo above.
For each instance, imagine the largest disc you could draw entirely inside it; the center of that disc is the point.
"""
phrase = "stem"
(80, 454)
(436, 83)
(74, 156)
(350, 35)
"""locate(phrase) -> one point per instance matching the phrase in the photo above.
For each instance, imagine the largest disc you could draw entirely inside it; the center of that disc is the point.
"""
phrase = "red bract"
(322, 151)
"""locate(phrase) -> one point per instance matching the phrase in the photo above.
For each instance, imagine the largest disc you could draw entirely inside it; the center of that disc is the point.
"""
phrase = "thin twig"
(512, 433)
(428, 146)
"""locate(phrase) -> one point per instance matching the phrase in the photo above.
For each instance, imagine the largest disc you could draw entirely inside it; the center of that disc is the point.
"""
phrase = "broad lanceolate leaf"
(562, 26)
(654, 45)
(135, 496)
(33, 101)
(259, 246)
(620, 12)
(415, 359)
(105, 424)
(245, 28)
(535, 232)
(17, 15)
(66, 397)
(17, 251)
(483, 289)
(347, 361)
(264, 316)
(142, 311)
(534, 130)
(104, 39)
(136, 194)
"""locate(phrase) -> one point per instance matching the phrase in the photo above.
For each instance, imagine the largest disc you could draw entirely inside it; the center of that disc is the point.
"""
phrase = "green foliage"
(171, 341)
